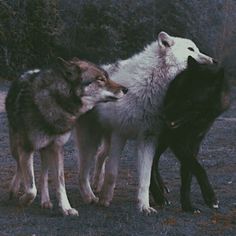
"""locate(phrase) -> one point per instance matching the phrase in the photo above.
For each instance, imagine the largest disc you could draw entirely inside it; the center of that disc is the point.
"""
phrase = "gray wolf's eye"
(191, 49)
(100, 78)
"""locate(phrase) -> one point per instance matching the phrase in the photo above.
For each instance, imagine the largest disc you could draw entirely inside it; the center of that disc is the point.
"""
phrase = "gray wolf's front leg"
(57, 160)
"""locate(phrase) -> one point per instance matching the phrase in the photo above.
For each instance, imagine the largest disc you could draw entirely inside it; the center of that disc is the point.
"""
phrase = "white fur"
(136, 115)
(32, 71)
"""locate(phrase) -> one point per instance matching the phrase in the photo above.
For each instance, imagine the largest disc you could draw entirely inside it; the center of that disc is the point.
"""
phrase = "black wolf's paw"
(189, 208)
(212, 201)
(214, 204)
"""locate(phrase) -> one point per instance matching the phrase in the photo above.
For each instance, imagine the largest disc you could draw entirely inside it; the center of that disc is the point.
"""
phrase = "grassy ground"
(218, 154)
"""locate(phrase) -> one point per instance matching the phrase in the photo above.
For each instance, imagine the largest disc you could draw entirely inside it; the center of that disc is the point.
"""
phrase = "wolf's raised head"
(176, 51)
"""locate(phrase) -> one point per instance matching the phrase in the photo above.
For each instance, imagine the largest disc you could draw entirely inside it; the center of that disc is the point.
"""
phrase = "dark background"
(34, 32)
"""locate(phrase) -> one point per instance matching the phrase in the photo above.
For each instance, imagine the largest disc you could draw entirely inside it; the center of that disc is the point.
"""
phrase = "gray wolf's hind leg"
(27, 170)
(16, 180)
(45, 163)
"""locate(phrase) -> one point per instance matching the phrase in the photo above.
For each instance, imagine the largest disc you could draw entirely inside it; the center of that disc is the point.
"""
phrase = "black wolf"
(193, 101)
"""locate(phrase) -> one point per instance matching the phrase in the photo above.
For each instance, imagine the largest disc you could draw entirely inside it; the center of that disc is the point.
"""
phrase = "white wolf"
(147, 76)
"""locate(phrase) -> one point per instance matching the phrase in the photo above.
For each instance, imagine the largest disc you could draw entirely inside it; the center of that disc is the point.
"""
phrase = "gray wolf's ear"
(69, 68)
(192, 63)
(74, 60)
(63, 62)
(165, 40)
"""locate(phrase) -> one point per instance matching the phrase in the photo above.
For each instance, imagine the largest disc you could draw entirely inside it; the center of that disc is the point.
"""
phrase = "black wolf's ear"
(165, 40)
(192, 63)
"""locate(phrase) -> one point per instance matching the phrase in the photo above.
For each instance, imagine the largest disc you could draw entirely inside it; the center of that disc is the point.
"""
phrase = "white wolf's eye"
(191, 49)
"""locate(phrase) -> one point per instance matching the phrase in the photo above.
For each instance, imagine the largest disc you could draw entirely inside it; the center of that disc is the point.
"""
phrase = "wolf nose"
(215, 61)
(124, 90)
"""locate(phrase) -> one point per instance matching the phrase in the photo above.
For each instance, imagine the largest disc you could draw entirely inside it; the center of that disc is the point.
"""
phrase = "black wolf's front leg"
(206, 188)
(186, 179)
(157, 185)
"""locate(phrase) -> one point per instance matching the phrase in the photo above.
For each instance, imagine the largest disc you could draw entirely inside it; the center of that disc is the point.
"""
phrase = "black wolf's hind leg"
(157, 185)
(206, 188)
(186, 179)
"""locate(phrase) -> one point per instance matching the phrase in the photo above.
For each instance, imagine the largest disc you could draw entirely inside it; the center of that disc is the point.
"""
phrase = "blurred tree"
(34, 33)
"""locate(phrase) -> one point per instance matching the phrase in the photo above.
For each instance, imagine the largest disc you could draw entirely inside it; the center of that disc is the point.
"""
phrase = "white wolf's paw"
(70, 212)
(47, 205)
(147, 209)
(97, 187)
(91, 199)
(27, 199)
(104, 202)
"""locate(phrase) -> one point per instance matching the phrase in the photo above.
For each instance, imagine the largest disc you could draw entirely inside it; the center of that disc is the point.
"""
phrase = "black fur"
(193, 101)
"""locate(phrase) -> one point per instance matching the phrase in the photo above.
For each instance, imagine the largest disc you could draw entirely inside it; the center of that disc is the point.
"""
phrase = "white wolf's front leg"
(146, 151)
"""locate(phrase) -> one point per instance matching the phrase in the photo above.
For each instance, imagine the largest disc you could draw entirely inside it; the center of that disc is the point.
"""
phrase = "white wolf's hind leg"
(88, 142)
(146, 151)
(111, 169)
(99, 171)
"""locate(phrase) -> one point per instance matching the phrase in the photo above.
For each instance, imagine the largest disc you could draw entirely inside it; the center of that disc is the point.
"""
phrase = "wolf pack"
(166, 96)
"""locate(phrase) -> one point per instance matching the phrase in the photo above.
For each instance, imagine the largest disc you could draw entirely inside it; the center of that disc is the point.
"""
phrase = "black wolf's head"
(198, 94)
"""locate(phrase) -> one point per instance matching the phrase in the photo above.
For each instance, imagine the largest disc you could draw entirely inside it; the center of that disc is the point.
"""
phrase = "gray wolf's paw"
(47, 205)
(13, 194)
(70, 212)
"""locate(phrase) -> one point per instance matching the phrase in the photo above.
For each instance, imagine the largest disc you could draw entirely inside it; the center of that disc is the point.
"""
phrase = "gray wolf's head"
(91, 83)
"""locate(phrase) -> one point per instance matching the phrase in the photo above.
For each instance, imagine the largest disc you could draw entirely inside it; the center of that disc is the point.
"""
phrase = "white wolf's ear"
(165, 40)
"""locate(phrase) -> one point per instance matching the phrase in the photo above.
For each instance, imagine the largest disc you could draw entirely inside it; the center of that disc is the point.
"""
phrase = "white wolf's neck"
(141, 67)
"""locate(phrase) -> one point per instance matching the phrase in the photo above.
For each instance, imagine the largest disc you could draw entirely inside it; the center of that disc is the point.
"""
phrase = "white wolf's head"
(176, 51)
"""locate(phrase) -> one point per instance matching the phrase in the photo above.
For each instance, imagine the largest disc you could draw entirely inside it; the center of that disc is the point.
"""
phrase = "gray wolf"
(194, 99)
(136, 115)
(42, 107)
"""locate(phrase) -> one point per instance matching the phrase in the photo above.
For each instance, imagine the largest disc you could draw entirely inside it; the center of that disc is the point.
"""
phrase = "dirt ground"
(218, 154)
